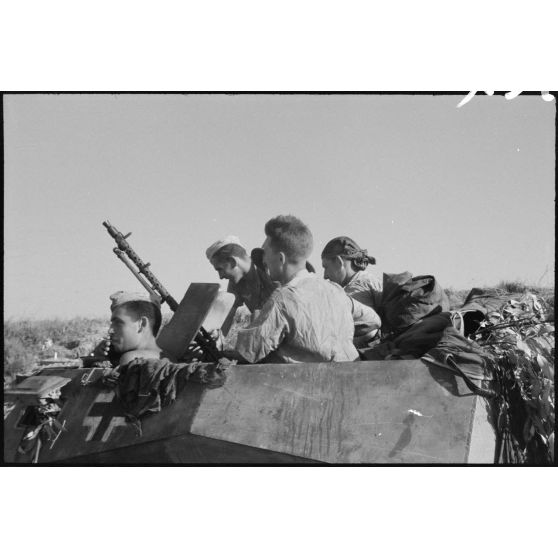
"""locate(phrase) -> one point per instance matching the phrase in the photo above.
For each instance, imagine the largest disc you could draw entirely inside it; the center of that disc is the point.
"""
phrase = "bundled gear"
(43, 427)
(418, 324)
(407, 299)
(144, 386)
(412, 343)
(478, 304)
(465, 358)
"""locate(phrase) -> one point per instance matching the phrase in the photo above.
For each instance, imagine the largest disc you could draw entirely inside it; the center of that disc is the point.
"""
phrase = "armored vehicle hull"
(389, 412)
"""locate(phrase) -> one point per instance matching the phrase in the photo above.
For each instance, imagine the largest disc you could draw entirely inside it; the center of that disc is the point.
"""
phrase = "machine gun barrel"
(126, 253)
(143, 268)
(125, 260)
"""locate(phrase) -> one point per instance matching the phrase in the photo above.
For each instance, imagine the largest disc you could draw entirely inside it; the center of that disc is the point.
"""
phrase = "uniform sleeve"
(265, 333)
(365, 318)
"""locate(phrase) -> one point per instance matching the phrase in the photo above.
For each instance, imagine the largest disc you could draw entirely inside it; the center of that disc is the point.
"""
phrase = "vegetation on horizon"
(28, 341)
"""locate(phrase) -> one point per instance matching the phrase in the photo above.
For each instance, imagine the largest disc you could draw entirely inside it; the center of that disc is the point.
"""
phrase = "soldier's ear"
(338, 262)
(232, 261)
(144, 323)
(282, 258)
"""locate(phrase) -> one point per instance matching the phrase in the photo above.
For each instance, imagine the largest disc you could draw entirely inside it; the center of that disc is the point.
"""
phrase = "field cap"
(216, 246)
(120, 297)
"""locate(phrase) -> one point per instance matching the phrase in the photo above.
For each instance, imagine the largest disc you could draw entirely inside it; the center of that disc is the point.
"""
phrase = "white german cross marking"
(103, 417)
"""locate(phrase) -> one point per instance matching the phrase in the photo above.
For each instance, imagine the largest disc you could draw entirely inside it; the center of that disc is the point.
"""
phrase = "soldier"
(249, 282)
(145, 378)
(348, 265)
(135, 322)
(307, 319)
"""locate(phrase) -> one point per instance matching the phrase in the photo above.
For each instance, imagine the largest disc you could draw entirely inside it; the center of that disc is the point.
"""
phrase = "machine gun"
(146, 277)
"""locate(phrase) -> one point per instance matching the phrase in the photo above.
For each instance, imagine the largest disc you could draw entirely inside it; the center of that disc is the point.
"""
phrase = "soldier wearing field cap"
(134, 324)
(135, 321)
(249, 282)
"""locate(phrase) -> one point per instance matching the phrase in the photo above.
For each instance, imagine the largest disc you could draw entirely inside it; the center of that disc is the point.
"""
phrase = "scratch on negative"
(418, 413)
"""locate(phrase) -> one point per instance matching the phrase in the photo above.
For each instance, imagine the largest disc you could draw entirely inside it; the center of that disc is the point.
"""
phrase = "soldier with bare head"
(307, 319)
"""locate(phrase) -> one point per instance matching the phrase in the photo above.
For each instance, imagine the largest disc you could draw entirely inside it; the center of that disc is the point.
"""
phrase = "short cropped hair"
(289, 235)
(139, 308)
(229, 251)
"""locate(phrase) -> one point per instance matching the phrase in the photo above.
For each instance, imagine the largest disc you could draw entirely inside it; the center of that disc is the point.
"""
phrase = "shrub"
(19, 358)
(512, 287)
(24, 341)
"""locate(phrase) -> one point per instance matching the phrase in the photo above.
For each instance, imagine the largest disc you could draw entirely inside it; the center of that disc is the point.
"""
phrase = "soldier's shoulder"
(330, 285)
(368, 277)
(128, 357)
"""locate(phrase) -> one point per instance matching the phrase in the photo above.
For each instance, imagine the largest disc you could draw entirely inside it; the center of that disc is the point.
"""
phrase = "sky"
(466, 195)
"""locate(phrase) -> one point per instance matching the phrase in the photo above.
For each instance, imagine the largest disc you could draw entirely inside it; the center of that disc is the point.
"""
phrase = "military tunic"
(366, 286)
(309, 319)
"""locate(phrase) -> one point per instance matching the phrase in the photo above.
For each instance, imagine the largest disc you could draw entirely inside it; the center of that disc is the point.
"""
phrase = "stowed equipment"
(39, 399)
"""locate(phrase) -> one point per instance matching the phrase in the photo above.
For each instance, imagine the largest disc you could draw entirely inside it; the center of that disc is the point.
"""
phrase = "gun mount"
(147, 278)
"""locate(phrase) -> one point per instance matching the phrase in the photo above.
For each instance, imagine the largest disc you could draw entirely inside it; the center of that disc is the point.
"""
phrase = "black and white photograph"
(311, 279)
(278, 278)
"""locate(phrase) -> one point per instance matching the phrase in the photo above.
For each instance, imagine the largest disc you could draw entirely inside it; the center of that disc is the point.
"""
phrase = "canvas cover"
(407, 299)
